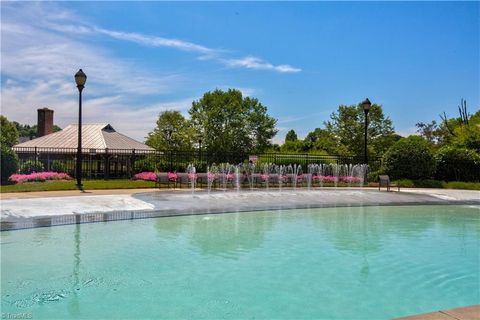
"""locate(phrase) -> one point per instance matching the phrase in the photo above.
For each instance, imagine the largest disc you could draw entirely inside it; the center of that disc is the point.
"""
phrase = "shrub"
(9, 163)
(462, 185)
(457, 164)
(428, 183)
(404, 183)
(58, 166)
(146, 176)
(38, 177)
(31, 166)
(409, 158)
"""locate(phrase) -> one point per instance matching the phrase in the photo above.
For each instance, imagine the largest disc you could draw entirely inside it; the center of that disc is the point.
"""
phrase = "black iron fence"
(124, 163)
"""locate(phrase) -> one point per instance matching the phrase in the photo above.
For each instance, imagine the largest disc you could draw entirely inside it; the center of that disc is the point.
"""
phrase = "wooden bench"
(384, 181)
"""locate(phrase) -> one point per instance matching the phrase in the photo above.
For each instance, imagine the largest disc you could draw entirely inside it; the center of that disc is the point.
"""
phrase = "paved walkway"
(65, 207)
(465, 313)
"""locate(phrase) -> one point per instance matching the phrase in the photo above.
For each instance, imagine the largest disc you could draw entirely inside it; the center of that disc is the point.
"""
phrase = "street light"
(169, 132)
(200, 138)
(366, 107)
(80, 79)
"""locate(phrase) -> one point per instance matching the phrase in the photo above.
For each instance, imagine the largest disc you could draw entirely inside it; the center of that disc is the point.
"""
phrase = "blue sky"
(301, 60)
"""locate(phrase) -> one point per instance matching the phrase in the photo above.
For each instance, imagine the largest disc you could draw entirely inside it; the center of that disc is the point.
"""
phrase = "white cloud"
(250, 62)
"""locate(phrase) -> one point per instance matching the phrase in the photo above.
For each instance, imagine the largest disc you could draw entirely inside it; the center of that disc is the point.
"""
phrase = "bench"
(384, 181)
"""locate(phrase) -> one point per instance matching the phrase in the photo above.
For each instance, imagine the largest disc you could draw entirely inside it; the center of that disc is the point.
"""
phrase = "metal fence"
(124, 163)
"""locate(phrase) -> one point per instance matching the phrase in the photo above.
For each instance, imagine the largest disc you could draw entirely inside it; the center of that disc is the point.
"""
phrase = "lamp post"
(200, 138)
(366, 107)
(80, 79)
(169, 131)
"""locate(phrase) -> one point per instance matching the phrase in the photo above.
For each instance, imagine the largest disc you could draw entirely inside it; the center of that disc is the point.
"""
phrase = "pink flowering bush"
(332, 179)
(350, 179)
(211, 176)
(325, 178)
(192, 176)
(172, 176)
(38, 177)
(147, 176)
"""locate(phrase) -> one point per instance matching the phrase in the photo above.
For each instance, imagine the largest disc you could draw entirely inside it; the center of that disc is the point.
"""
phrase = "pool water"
(330, 263)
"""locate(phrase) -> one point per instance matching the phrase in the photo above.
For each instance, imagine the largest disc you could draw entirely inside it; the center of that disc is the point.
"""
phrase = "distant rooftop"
(94, 136)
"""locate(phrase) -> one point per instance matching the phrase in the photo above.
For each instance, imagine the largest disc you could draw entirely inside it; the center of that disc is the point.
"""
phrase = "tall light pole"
(169, 132)
(200, 139)
(80, 79)
(366, 104)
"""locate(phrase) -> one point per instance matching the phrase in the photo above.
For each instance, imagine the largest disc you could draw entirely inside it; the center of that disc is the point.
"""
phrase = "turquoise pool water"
(332, 263)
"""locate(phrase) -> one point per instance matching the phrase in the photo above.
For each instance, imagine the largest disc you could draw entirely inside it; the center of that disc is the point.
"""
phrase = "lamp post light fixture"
(80, 79)
(366, 104)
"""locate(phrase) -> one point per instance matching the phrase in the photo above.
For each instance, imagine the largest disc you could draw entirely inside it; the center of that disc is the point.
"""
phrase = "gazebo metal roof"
(94, 136)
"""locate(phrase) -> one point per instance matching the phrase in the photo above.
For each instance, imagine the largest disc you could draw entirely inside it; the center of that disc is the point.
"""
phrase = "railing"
(123, 163)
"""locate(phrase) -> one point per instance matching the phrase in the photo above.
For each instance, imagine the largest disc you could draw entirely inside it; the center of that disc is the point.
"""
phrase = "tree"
(347, 125)
(323, 140)
(173, 132)
(8, 132)
(291, 136)
(8, 158)
(231, 122)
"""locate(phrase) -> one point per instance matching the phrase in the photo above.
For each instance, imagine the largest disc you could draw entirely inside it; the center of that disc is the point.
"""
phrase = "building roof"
(94, 136)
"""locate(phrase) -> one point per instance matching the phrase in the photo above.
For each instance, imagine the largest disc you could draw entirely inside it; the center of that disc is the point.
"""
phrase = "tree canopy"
(8, 133)
(291, 136)
(172, 132)
(230, 122)
(347, 126)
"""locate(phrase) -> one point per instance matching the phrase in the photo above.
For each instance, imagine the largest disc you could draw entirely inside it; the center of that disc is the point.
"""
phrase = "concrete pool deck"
(38, 209)
(464, 313)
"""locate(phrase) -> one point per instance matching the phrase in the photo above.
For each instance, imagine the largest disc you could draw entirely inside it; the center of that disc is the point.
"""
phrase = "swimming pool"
(332, 263)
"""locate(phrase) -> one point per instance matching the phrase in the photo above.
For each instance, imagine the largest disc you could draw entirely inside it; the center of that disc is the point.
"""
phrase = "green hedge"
(409, 158)
(457, 164)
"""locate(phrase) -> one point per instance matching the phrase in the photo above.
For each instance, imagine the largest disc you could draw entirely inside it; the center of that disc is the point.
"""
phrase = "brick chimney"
(45, 122)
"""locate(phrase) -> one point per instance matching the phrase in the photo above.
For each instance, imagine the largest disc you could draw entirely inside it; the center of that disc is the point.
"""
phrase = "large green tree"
(8, 138)
(230, 122)
(172, 132)
(291, 136)
(347, 126)
(323, 140)
(8, 132)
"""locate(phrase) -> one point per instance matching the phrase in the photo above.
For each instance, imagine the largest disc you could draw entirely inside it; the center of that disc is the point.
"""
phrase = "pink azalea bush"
(192, 176)
(146, 176)
(350, 179)
(39, 177)
(325, 178)
(332, 179)
(211, 176)
(172, 176)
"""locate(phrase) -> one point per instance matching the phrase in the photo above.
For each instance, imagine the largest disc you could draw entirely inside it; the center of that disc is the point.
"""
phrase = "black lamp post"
(80, 79)
(200, 138)
(169, 131)
(366, 107)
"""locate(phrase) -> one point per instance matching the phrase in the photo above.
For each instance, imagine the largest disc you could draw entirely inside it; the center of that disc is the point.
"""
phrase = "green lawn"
(53, 185)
